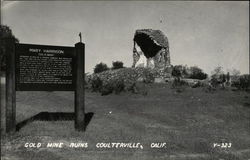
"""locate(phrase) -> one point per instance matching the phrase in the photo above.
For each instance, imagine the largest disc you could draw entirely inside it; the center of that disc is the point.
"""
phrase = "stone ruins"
(150, 55)
(151, 49)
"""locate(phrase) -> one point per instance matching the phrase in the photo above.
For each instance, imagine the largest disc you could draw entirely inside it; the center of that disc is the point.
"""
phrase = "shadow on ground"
(54, 116)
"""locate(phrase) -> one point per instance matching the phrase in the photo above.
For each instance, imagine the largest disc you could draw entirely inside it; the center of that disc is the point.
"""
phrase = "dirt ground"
(189, 121)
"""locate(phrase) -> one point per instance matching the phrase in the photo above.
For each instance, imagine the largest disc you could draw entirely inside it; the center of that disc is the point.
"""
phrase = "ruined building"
(151, 49)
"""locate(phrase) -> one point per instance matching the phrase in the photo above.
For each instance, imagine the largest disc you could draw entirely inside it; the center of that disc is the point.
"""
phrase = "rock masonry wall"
(129, 75)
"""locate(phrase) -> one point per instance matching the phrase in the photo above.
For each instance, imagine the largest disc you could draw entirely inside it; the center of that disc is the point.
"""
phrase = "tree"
(177, 71)
(234, 75)
(218, 71)
(217, 77)
(100, 68)
(5, 33)
(117, 65)
(244, 82)
(186, 72)
(234, 72)
(197, 73)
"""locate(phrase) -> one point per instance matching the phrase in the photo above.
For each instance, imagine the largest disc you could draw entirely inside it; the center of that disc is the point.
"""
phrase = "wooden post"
(79, 92)
(10, 86)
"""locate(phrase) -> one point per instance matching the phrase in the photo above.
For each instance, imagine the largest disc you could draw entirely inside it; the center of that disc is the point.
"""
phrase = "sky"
(206, 34)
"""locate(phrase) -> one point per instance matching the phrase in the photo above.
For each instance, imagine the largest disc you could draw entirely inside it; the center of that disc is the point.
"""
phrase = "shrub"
(178, 82)
(223, 78)
(148, 76)
(107, 89)
(100, 67)
(197, 73)
(119, 86)
(117, 65)
(177, 71)
(180, 71)
(236, 84)
(244, 82)
(188, 72)
(217, 77)
(133, 88)
(116, 86)
(198, 84)
(215, 81)
(96, 84)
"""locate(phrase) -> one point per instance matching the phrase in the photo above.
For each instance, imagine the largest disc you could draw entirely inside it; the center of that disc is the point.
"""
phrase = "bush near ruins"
(184, 71)
(148, 76)
(119, 86)
(117, 65)
(178, 82)
(107, 89)
(96, 84)
(177, 71)
(197, 73)
(112, 86)
(123, 79)
(116, 86)
(100, 68)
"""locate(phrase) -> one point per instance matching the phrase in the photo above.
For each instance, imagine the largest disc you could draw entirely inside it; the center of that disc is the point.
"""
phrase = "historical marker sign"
(44, 68)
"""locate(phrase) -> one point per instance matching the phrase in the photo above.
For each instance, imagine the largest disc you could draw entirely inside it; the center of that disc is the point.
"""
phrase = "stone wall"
(129, 75)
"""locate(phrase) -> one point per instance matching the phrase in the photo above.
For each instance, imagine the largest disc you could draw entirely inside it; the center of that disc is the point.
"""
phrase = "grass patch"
(189, 123)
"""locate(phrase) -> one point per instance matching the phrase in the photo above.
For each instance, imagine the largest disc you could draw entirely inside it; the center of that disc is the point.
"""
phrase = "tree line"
(5, 34)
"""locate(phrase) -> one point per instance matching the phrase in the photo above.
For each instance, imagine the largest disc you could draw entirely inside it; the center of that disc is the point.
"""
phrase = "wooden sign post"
(10, 86)
(79, 92)
(33, 67)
